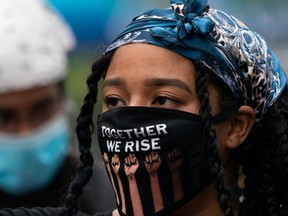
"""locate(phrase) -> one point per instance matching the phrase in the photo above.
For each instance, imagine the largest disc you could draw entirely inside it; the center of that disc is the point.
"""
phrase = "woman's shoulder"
(38, 211)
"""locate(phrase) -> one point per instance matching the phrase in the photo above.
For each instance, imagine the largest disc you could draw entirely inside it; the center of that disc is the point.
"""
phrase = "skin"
(23, 111)
(145, 75)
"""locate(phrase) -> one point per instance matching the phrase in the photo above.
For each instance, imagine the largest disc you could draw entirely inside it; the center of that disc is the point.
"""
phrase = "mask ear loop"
(221, 117)
(227, 113)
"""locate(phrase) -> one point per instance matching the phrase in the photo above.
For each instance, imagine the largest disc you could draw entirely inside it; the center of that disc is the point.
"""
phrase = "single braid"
(84, 130)
(217, 171)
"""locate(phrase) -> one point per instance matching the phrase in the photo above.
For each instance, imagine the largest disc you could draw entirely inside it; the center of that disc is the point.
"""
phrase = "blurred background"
(97, 22)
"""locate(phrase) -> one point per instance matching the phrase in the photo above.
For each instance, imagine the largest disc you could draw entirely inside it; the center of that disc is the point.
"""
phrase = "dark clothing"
(49, 211)
(98, 195)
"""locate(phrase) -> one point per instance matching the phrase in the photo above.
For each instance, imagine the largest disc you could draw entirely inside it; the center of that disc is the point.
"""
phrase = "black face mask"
(155, 158)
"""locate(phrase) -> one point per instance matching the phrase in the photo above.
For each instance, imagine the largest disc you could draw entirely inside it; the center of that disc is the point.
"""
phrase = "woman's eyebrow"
(113, 82)
(168, 82)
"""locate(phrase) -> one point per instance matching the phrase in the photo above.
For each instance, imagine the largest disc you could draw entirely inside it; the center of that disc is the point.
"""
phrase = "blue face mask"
(30, 162)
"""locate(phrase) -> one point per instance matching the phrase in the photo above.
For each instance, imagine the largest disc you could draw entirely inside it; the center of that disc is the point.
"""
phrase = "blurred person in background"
(37, 161)
(35, 167)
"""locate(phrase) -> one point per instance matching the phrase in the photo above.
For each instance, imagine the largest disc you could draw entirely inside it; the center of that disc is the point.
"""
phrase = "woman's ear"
(239, 126)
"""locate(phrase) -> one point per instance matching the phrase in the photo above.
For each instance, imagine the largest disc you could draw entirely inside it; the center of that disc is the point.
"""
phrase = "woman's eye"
(113, 102)
(162, 100)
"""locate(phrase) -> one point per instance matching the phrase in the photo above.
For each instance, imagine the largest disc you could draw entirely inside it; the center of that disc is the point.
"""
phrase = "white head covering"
(34, 43)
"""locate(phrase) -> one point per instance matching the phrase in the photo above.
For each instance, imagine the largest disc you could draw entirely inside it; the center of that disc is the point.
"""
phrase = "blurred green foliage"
(79, 68)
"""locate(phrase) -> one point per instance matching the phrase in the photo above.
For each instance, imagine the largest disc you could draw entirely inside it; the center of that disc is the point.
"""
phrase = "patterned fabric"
(236, 54)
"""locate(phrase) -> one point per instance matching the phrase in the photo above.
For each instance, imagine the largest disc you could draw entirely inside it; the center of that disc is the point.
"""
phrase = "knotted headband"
(241, 58)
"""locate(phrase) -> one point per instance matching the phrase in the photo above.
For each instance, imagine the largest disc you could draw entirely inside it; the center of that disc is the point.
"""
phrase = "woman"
(193, 118)
(203, 72)
(34, 126)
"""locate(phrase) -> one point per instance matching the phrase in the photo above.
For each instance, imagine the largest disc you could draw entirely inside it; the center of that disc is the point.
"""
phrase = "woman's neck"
(204, 204)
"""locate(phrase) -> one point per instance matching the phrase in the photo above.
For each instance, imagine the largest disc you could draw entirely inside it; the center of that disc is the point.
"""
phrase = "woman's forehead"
(150, 60)
(141, 52)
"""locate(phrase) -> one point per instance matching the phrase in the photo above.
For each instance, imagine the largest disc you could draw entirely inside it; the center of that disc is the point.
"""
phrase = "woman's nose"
(139, 101)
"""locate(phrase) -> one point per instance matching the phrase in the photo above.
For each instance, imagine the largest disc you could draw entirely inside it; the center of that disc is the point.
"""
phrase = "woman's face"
(23, 111)
(150, 76)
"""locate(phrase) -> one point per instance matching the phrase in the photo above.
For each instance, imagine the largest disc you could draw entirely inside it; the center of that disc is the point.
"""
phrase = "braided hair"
(204, 78)
(84, 130)
(262, 158)
(266, 163)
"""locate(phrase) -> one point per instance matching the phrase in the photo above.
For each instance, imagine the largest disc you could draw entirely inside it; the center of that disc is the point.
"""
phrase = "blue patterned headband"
(238, 56)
